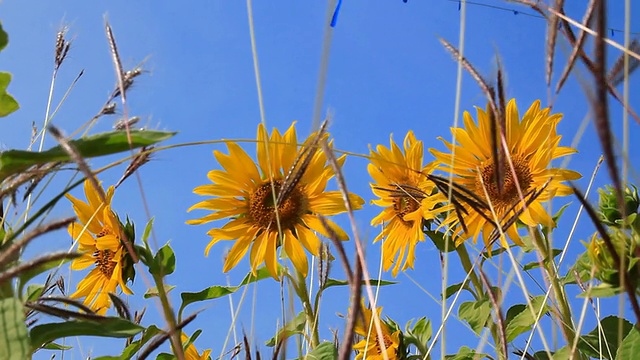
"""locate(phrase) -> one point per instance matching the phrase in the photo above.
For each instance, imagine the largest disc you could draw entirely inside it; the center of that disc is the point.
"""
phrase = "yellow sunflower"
(98, 233)
(532, 143)
(191, 353)
(369, 348)
(243, 192)
(407, 198)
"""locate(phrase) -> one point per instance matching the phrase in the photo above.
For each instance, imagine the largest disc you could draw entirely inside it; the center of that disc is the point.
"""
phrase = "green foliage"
(602, 341)
(4, 38)
(34, 271)
(324, 351)
(476, 313)
(7, 103)
(521, 317)
(15, 161)
(374, 282)
(442, 242)
(452, 289)
(164, 262)
(630, 347)
(114, 327)
(153, 291)
(14, 342)
(466, 353)
(218, 291)
(293, 327)
(135, 346)
(609, 209)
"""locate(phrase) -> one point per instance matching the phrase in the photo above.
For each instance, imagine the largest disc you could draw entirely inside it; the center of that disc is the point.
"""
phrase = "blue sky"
(387, 74)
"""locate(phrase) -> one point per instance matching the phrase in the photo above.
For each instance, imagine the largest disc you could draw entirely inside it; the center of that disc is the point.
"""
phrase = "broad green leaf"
(562, 354)
(324, 351)
(630, 347)
(601, 291)
(466, 353)
(293, 327)
(7, 103)
(421, 331)
(34, 291)
(135, 346)
(4, 38)
(153, 292)
(452, 289)
(164, 262)
(14, 342)
(374, 282)
(606, 338)
(14, 161)
(476, 313)
(108, 327)
(440, 241)
(218, 291)
(520, 318)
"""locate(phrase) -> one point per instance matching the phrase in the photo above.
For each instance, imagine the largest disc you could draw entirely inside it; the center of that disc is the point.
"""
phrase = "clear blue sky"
(388, 73)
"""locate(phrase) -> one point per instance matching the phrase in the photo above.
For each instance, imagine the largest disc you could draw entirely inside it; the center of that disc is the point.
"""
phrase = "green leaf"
(324, 351)
(108, 327)
(218, 291)
(15, 161)
(556, 217)
(34, 291)
(476, 313)
(421, 331)
(293, 327)
(4, 38)
(444, 244)
(135, 346)
(562, 354)
(153, 292)
(606, 338)
(536, 264)
(630, 346)
(164, 262)
(14, 342)
(374, 282)
(7, 103)
(520, 318)
(54, 346)
(452, 289)
(601, 291)
(466, 353)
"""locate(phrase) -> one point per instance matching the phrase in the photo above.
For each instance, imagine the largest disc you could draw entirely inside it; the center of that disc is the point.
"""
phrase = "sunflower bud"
(604, 267)
(610, 213)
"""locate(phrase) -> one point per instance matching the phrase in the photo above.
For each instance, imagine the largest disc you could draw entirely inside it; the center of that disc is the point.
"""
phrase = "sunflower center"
(510, 194)
(104, 262)
(387, 343)
(405, 203)
(263, 211)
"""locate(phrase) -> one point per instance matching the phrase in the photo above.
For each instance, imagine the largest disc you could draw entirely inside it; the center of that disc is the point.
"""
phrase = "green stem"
(465, 260)
(566, 320)
(169, 316)
(480, 292)
(300, 287)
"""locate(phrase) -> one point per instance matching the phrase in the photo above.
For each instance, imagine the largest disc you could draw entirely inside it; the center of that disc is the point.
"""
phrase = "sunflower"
(369, 348)
(407, 197)
(244, 193)
(98, 232)
(191, 353)
(532, 144)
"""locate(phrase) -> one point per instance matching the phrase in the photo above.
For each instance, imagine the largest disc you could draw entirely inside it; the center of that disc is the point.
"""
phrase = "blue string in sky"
(334, 18)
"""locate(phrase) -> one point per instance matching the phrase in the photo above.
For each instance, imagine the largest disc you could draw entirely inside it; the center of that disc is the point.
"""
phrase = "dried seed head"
(124, 123)
(60, 284)
(109, 109)
(62, 47)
